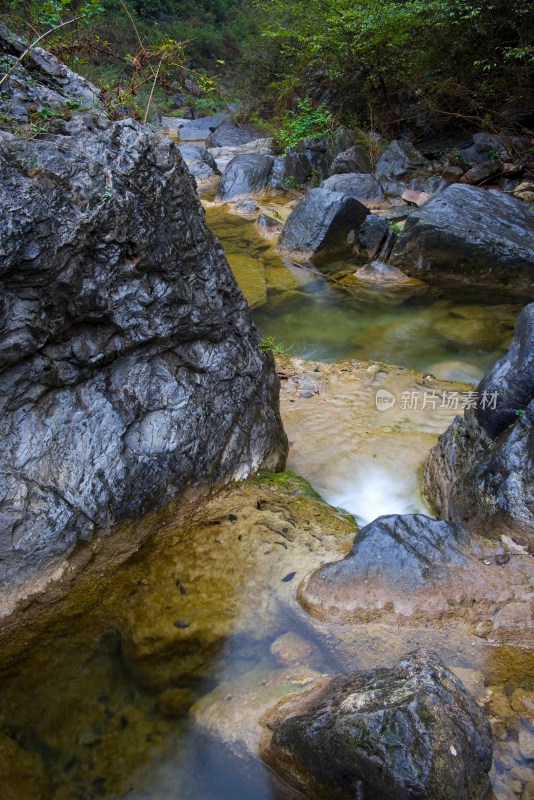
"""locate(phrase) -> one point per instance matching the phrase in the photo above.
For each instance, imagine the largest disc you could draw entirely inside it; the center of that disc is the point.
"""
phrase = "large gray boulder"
(230, 134)
(355, 159)
(470, 236)
(481, 472)
(360, 186)
(324, 223)
(130, 368)
(395, 556)
(400, 159)
(245, 175)
(312, 158)
(407, 733)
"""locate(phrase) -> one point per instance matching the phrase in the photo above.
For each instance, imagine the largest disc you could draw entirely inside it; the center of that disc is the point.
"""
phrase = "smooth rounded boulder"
(394, 561)
(412, 732)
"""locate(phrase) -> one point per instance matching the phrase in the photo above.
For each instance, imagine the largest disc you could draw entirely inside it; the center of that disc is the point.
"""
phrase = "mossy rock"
(289, 482)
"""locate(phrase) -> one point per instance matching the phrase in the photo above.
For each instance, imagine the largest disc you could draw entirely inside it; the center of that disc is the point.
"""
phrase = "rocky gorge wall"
(480, 473)
(130, 368)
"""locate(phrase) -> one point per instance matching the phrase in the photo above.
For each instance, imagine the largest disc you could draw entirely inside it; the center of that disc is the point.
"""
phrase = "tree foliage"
(452, 56)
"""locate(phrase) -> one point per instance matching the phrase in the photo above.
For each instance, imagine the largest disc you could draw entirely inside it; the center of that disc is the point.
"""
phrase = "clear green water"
(454, 340)
(453, 333)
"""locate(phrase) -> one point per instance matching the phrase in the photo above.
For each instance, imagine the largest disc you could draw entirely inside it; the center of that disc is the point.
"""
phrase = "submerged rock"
(407, 733)
(268, 227)
(322, 224)
(470, 236)
(245, 175)
(22, 772)
(482, 470)
(380, 274)
(131, 369)
(133, 647)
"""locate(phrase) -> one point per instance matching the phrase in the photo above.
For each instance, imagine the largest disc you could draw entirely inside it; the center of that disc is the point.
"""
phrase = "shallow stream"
(81, 707)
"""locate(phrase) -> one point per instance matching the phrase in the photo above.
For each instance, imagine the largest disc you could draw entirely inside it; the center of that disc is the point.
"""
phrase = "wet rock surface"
(470, 236)
(349, 736)
(362, 187)
(481, 471)
(408, 549)
(246, 174)
(321, 224)
(123, 334)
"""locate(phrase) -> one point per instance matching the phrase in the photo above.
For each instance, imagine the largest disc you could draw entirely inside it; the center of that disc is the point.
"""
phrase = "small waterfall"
(374, 490)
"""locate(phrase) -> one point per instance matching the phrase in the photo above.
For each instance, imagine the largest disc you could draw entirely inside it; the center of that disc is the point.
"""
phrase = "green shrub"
(307, 123)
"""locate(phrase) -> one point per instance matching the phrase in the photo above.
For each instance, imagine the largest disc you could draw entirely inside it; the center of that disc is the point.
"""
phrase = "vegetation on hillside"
(398, 62)
(388, 65)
